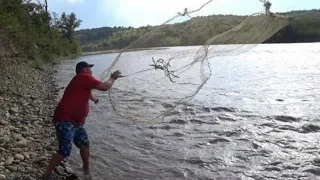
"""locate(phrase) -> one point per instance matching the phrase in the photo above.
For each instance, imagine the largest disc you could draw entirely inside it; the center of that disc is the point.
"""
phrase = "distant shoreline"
(111, 51)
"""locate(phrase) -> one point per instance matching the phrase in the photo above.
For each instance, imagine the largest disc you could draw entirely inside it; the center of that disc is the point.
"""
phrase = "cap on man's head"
(82, 65)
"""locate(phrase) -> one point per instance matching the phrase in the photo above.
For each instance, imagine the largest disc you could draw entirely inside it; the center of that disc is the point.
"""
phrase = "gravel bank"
(27, 138)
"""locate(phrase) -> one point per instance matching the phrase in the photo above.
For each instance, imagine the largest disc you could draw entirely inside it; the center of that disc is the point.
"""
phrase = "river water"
(256, 118)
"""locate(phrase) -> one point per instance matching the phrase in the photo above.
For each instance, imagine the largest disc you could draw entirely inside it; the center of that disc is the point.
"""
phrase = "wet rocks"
(178, 121)
(315, 171)
(218, 140)
(197, 121)
(286, 119)
(27, 135)
(309, 128)
(272, 168)
(223, 109)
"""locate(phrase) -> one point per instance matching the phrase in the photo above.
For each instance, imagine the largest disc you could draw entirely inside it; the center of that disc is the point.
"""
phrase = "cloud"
(74, 1)
(98, 13)
(154, 12)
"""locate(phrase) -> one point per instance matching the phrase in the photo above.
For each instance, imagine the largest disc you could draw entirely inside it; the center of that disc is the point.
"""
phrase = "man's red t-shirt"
(74, 105)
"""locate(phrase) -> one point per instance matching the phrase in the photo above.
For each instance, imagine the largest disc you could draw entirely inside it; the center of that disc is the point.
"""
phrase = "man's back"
(74, 105)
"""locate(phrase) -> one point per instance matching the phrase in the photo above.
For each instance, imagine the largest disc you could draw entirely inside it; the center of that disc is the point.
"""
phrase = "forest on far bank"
(304, 26)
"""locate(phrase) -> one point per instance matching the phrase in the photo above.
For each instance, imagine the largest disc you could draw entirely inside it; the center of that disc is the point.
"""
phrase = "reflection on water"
(257, 118)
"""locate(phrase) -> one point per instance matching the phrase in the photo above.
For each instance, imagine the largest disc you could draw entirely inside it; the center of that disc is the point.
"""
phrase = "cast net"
(161, 78)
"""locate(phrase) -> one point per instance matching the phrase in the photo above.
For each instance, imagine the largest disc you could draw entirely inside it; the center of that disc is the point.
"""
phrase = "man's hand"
(94, 98)
(116, 74)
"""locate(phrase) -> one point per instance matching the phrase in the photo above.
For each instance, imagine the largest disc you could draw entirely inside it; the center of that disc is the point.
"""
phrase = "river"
(256, 118)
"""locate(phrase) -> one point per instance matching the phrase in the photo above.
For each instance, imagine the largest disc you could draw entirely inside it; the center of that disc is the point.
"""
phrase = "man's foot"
(86, 171)
(46, 177)
(72, 177)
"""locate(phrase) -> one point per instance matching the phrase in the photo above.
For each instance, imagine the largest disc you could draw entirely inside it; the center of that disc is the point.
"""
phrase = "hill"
(304, 26)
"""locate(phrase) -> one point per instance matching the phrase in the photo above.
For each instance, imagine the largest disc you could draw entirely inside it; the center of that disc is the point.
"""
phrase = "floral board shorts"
(67, 132)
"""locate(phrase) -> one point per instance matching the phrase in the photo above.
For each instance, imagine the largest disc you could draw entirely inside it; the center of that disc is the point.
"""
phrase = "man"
(71, 112)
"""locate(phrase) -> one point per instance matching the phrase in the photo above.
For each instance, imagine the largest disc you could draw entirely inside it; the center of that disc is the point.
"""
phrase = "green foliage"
(67, 25)
(37, 64)
(37, 33)
(304, 26)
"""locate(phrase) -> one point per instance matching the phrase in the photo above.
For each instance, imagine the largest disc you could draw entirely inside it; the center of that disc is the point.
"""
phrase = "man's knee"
(65, 148)
(64, 153)
(81, 139)
(82, 144)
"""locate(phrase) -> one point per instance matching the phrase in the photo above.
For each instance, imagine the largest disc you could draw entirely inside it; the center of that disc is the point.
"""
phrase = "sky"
(136, 13)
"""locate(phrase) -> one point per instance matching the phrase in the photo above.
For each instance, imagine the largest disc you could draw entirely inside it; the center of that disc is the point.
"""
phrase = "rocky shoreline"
(28, 97)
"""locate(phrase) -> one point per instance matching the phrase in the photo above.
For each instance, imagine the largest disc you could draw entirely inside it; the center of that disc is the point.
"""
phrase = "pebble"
(2, 149)
(2, 177)
(12, 168)
(16, 149)
(25, 134)
(50, 148)
(23, 164)
(42, 158)
(14, 110)
(22, 169)
(60, 170)
(19, 157)
(44, 164)
(15, 161)
(24, 128)
(4, 140)
(7, 115)
(9, 161)
(26, 155)
(22, 143)
(2, 122)
(33, 154)
(18, 137)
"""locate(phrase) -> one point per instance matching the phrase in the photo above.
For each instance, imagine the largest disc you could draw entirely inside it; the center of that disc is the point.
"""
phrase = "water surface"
(256, 118)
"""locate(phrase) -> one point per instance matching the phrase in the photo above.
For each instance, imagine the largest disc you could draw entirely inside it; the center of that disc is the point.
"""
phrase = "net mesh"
(157, 81)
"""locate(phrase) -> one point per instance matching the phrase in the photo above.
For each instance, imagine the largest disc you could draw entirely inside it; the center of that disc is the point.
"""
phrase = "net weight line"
(164, 66)
(160, 64)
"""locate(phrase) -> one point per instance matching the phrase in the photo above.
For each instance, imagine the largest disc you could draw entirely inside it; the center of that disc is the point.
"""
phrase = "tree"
(68, 24)
(37, 33)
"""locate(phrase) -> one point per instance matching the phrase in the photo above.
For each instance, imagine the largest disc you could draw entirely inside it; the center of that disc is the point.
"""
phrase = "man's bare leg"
(55, 161)
(85, 153)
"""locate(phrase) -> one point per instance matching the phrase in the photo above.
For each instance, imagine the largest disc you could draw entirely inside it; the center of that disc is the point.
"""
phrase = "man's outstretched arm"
(105, 86)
